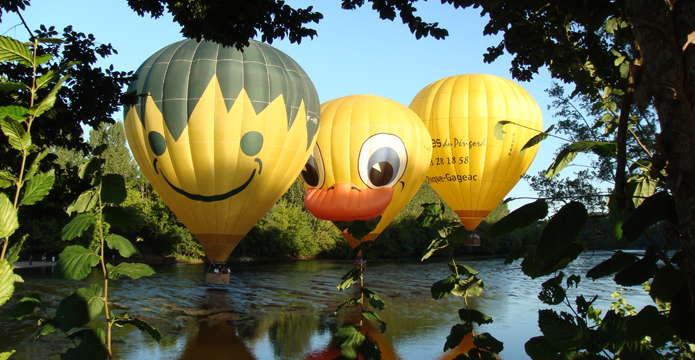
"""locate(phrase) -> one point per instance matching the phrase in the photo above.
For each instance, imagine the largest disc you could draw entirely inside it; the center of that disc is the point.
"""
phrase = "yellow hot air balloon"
(471, 169)
(370, 158)
(221, 134)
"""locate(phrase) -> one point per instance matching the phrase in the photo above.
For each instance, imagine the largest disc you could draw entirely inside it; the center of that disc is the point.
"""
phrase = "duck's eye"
(313, 173)
(382, 160)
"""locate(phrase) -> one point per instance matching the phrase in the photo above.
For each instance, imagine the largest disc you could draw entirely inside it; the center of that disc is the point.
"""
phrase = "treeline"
(287, 231)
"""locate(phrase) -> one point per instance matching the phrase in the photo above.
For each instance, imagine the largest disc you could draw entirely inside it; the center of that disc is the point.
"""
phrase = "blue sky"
(354, 53)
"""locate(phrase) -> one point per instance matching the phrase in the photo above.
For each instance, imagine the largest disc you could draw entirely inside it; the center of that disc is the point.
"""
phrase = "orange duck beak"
(347, 202)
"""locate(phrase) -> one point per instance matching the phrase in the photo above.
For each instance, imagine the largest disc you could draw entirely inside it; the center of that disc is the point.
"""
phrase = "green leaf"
(16, 113)
(132, 270)
(561, 230)
(682, 316)
(8, 217)
(12, 86)
(474, 316)
(374, 299)
(519, 218)
(77, 226)
(75, 262)
(47, 78)
(6, 355)
(117, 216)
(90, 167)
(6, 281)
(359, 229)
(658, 207)
(488, 342)
(516, 254)
(85, 202)
(534, 141)
(35, 165)
(113, 189)
(560, 330)
(13, 50)
(26, 306)
(48, 101)
(350, 278)
(138, 323)
(124, 246)
(641, 187)
(38, 187)
(91, 346)
(539, 348)
(350, 302)
(431, 212)
(458, 332)
(552, 293)
(435, 245)
(347, 339)
(374, 317)
(639, 271)
(46, 327)
(649, 322)
(616, 218)
(80, 307)
(12, 256)
(499, 129)
(7, 179)
(666, 284)
(370, 350)
(470, 287)
(617, 262)
(463, 270)
(99, 149)
(443, 287)
(570, 152)
(18, 137)
(558, 261)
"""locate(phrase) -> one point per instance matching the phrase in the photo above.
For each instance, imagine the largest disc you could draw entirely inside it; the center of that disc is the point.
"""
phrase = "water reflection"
(284, 310)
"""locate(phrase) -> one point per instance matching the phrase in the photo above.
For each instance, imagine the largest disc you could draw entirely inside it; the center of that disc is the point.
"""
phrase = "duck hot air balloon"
(470, 168)
(370, 158)
(221, 134)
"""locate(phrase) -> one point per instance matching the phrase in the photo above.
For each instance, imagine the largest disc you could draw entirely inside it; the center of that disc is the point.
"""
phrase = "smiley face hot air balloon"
(370, 158)
(221, 134)
(471, 169)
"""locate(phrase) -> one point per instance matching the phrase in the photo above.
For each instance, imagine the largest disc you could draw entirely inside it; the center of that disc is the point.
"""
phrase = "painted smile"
(212, 198)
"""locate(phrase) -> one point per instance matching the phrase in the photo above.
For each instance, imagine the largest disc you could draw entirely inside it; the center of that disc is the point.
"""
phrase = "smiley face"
(251, 144)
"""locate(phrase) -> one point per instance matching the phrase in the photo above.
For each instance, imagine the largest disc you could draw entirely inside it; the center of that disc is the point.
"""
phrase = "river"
(284, 310)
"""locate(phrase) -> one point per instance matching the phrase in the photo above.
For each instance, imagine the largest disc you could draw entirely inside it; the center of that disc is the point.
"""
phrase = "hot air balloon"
(370, 158)
(221, 134)
(471, 169)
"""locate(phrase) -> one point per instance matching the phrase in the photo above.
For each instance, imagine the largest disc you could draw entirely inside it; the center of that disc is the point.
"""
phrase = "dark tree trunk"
(662, 31)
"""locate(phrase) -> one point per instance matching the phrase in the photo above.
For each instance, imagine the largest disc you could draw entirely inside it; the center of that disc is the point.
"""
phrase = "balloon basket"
(473, 239)
(217, 273)
(218, 279)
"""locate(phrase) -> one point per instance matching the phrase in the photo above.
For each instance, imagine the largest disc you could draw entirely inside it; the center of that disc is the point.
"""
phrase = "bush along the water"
(96, 208)
(464, 282)
(356, 337)
(28, 183)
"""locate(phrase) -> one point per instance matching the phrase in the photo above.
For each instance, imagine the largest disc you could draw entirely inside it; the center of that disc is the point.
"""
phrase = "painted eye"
(158, 143)
(382, 160)
(251, 143)
(313, 174)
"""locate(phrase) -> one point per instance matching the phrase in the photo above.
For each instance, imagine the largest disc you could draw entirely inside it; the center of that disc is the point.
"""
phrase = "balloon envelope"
(471, 169)
(221, 134)
(370, 158)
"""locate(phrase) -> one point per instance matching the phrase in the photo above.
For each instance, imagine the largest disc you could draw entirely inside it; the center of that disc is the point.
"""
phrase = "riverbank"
(25, 264)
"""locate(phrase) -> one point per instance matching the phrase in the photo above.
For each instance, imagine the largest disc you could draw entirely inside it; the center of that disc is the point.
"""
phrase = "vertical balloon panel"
(471, 169)
(221, 134)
